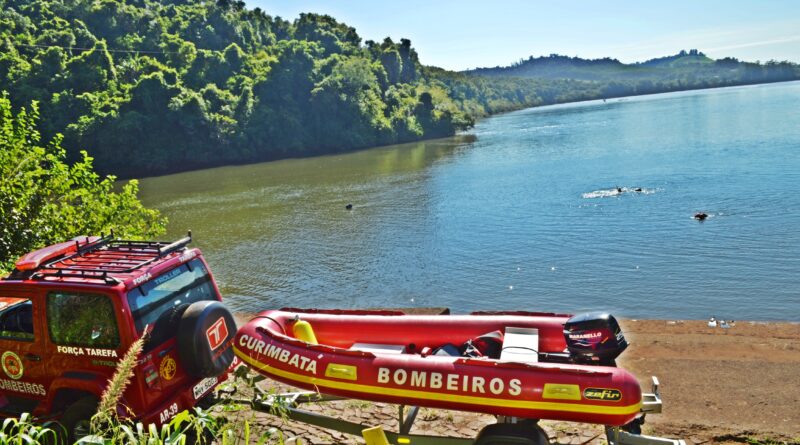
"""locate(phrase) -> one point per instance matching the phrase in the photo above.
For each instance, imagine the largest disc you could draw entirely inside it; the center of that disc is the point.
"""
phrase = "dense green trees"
(150, 87)
(43, 200)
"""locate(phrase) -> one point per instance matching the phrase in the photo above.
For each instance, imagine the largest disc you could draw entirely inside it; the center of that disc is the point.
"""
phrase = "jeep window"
(16, 320)
(78, 319)
(159, 301)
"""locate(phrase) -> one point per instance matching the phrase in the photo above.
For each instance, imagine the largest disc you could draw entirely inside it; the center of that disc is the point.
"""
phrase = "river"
(523, 212)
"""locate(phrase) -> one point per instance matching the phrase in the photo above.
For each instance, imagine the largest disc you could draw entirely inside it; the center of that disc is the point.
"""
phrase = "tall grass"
(24, 431)
(107, 414)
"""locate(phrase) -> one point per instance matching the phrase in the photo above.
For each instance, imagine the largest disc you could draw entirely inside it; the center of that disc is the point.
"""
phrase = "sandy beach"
(720, 384)
(736, 385)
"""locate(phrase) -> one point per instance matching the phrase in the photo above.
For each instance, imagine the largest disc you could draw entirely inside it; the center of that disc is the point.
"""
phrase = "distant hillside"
(685, 70)
(557, 66)
(682, 59)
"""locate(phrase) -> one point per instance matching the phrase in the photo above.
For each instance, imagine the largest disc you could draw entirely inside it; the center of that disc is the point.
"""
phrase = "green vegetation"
(43, 200)
(24, 431)
(151, 87)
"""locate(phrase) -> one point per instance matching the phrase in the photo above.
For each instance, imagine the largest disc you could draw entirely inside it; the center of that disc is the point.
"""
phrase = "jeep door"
(84, 343)
(23, 377)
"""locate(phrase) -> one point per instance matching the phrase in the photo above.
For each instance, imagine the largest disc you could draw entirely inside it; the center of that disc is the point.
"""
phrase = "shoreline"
(462, 133)
(613, 99)
(718, 386)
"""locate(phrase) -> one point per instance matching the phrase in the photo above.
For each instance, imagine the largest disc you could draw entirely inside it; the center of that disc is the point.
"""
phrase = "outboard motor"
(594, 338)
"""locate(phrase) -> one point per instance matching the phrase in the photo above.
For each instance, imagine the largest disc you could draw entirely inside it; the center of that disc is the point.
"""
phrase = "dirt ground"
(737, 385)
(720, 384)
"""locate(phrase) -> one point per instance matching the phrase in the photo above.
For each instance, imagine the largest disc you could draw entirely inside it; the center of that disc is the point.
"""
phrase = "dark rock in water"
(637, 189)
(349, 206)
(700, 216)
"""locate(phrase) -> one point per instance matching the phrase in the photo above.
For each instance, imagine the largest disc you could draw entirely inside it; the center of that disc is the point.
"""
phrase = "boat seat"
(520, 345)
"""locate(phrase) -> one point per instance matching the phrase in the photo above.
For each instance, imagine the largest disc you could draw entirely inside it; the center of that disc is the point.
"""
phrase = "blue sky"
(466, 34)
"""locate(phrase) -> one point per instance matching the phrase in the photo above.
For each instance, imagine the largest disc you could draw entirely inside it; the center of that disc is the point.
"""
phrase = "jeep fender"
(90, 383)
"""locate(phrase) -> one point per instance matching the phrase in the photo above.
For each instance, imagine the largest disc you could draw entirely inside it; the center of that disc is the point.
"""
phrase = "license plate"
(203, 387)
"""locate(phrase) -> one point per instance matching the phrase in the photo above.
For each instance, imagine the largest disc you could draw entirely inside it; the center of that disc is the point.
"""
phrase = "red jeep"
(69, 312)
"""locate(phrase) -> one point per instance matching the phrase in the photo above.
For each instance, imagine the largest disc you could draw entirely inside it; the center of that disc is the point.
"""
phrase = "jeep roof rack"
(95, 258)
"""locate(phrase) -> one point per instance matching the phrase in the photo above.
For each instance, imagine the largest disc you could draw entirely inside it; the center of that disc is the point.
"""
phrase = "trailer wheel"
(512, 434)
(634, 426)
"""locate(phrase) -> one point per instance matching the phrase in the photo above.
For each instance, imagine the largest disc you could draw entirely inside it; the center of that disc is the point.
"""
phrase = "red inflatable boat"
(528, 365)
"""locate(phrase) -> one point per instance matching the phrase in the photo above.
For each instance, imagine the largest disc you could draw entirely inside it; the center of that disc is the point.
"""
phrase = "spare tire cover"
(205, 337)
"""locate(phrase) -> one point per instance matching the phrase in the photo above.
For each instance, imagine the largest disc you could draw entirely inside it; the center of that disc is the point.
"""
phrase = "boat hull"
(594, 394)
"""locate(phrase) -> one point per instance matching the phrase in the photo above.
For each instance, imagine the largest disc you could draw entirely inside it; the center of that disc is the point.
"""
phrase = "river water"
(523, 212)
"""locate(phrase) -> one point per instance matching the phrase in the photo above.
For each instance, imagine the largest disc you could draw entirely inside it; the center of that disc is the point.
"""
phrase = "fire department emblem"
(168, 368)
(12, 365)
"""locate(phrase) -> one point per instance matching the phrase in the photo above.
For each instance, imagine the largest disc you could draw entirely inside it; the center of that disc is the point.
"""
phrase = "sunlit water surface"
(523, 212)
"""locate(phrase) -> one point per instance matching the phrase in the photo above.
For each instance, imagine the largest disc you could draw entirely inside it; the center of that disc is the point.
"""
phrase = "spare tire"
(205, 337)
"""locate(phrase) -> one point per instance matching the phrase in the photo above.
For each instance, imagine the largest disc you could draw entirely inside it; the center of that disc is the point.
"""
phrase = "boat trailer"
(508, 430)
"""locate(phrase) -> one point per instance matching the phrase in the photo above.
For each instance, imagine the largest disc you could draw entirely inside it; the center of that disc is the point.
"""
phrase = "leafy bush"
(43, 200)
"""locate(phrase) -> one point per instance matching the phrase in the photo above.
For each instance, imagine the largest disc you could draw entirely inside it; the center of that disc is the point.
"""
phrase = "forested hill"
(151, 87)
(685, 70)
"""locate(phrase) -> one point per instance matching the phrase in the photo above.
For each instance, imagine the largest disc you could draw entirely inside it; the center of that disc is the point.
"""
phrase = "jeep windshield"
(161, 301)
